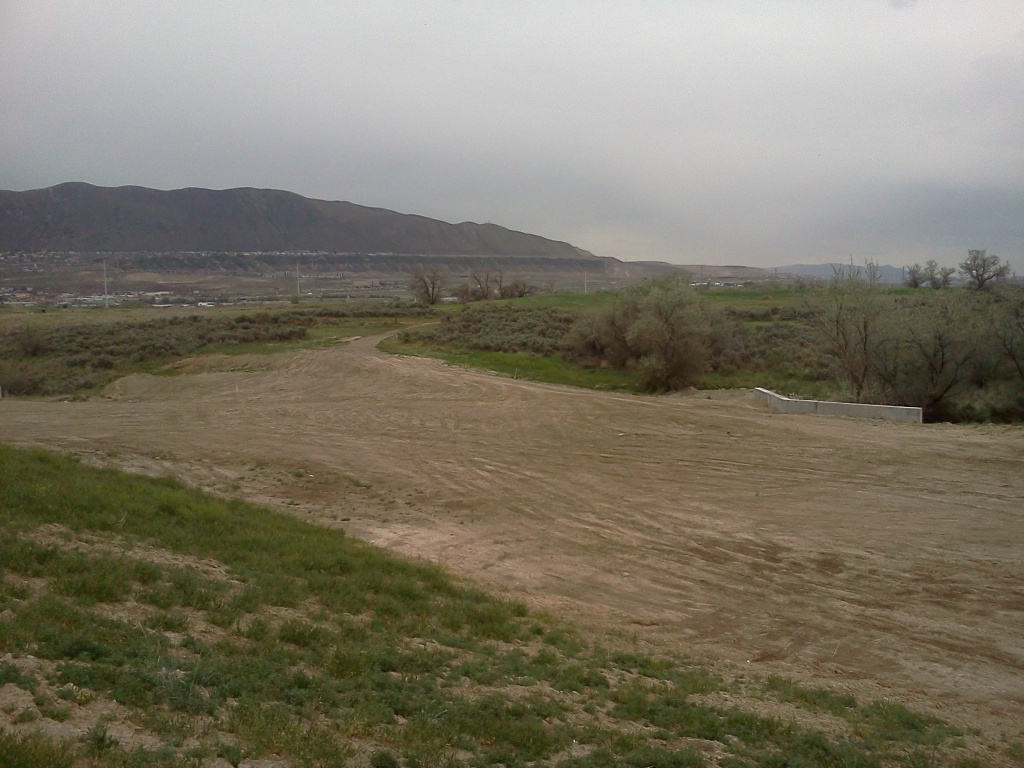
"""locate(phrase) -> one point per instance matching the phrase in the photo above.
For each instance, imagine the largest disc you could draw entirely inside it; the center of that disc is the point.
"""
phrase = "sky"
(689, 131)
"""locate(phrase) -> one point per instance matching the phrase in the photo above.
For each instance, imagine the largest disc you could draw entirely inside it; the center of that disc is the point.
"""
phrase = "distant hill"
(887, 273)
(85, 218)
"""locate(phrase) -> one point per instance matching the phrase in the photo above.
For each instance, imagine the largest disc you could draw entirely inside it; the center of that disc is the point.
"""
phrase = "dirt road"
(886, 558)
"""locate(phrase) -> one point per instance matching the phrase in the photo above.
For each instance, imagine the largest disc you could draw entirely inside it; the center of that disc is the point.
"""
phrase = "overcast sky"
(737, 132)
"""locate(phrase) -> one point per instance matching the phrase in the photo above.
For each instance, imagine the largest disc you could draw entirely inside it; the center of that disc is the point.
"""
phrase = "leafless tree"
(1008, 326)
(484, 282)
(511, 289)
(849, 317)
(463, 292)
(427, 286)
(519, 288)
(932, 347)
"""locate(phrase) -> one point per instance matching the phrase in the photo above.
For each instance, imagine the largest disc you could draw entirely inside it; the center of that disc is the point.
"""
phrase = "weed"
(98, 741)
(33, 750)
(891, 721)
(821, 699)
(669, 708)
(647, 757)
(559, 639)
(302, 634)
(384, 758)
(53, 711)
(26, 716)
(230, 752)
(167, 621)
(1015, 750)
(11, 674)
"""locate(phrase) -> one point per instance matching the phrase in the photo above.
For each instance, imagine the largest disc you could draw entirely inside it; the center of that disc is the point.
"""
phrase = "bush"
(502, 328)
(660, 329)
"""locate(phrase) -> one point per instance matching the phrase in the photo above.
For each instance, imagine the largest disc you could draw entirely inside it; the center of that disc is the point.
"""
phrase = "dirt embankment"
(885, 558)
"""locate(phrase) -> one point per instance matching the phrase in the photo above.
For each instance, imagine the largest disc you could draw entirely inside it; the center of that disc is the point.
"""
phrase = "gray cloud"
(680, 131)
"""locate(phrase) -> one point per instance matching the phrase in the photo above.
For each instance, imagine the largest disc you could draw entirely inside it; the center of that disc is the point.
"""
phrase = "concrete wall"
(826, 408)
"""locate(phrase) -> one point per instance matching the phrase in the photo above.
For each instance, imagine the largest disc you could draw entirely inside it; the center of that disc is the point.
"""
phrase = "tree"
(915, 277)
(463, 292)
(511, 289)
(935, 276)
(932, 345)
(981, 271)
(484, 282)
(849, 316)
(1008, 326)
(427, 286)
(519, 288)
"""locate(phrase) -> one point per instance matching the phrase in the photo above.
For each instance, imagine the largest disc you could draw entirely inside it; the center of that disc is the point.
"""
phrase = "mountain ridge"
(77, 216)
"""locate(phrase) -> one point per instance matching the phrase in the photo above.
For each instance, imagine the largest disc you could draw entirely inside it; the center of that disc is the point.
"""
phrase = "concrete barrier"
(782, 404)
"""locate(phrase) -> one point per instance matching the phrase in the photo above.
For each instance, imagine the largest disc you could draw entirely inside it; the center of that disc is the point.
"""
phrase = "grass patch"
(33, 750)
(891, 721)
(67, 352)
(310, 648)
(521, 365)
(818, 699)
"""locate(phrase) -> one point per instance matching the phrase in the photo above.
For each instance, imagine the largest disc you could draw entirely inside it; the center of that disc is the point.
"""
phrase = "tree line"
(957, 351)
(429, 286)
(958, 354)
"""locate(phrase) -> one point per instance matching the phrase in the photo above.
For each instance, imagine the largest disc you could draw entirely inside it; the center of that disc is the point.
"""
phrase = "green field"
(166, 627)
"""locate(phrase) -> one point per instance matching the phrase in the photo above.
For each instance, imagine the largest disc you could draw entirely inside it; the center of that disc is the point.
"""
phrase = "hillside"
(82, 217)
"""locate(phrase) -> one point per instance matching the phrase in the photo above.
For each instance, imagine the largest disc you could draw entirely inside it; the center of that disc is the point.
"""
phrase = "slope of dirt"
(884, 558)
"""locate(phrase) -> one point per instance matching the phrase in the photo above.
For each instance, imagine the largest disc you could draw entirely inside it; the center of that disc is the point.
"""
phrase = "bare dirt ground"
(885, 559)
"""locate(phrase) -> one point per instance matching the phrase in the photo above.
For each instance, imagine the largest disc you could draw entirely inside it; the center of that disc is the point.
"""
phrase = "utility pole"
(298, 290)
(584, 281)
(106, 293)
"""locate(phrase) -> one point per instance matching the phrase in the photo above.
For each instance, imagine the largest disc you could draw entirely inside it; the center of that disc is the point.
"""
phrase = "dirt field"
(886, 559)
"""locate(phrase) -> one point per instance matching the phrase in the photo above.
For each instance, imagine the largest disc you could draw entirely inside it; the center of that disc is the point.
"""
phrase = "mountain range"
(81, 217)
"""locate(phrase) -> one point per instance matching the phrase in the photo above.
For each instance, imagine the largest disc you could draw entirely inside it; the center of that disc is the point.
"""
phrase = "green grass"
(759, 298)
(306, 646)
(519, 365)
(33, 750)
(317, 337)
(818, 699)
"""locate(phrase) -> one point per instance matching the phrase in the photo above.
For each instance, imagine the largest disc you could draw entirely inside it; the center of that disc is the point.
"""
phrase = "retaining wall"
(827, 408)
